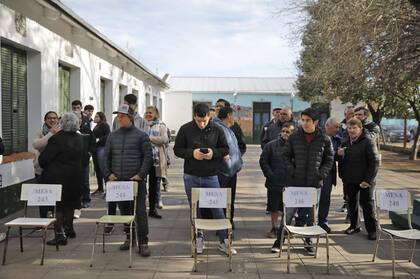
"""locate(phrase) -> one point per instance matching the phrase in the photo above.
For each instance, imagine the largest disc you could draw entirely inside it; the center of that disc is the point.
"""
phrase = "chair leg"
(192, 241)
(281, 241)
(44, 238)
(6, 241)
(412, 251)
(327, 242)
(103, 239)
(288, 252)
(316, 248)
(195, 250)
(230, 249)
(94, 243)
(131, 248)
(393, 256)
(375, 251)
(21, 239)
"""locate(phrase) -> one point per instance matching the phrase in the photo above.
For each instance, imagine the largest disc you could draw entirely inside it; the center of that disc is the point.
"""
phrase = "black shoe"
(70, 234)
(98, 192)
(108, 229)
(57, 240)
(325, 227)
(154, 214)
(276, 247)
(371, 235)
(351, 230)
(144, 250)
(309, 247)
(126, 245)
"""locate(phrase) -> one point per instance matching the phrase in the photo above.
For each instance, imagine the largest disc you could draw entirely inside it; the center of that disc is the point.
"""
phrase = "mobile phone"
(204, 150)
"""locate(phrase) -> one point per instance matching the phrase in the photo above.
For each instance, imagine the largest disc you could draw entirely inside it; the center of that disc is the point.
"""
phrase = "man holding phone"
(202, 145)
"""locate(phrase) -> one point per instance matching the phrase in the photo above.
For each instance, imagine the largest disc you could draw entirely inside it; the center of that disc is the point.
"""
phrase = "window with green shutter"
(63, 89)
(14, 99)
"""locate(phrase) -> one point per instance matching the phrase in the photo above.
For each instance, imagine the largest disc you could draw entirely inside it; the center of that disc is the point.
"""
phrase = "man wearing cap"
(138, 121)
(128, 156)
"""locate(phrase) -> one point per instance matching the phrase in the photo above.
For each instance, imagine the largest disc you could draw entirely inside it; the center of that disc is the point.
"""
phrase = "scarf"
(154, 130)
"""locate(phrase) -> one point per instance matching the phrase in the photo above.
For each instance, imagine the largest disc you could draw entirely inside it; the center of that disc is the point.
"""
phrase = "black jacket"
(61, 163)
(360, 162)
(190, 137)
(273, 165)
(372, 130)
(128, 152)
(272, 132)
(263, 131)
(240, 137)
(101, 132)
(308, 163)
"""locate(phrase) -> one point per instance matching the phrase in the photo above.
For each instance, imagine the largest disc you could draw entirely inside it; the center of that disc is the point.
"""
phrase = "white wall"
(177, 109)
(47, 49)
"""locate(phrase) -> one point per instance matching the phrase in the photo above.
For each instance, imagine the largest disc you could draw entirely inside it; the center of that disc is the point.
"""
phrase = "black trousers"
(64, 220)
(364, 197)
(153, 183)
(127, 208)
(98, 171)
(229, 182)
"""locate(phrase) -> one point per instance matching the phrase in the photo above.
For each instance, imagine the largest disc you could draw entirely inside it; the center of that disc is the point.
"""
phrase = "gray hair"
(70, 122)
(332, 120)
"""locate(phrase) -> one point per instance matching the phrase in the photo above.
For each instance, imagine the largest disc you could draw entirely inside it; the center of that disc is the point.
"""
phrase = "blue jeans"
(191, 181)
(325, 200)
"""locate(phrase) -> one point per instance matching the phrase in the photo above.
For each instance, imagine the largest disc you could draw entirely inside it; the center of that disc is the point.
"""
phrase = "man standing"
(232, 163)
(309, 157)
(128, 156)
(369, 127)
(348, 114)
(274, 129)
(203, 146)
(139, 122)
(275, 115)
(332, 127)
(88, 111)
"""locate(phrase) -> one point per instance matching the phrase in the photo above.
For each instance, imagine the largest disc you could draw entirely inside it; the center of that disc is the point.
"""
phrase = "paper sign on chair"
(299, 196)
(393, 200)
(213, 198)
(119, 191)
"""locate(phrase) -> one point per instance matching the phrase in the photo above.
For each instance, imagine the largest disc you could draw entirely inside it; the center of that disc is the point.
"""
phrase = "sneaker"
(344, 208)
(154, 214)
(223, 247)
(351, 230)
(309, 247)
(70, 234)
(276, 247)
(97, 192)
(272, 233)
(126, 245)
(325, 227)
(144, 250)
(160, 205)
(200, 245)
(77, 213)
(86, 204)
(60, 240)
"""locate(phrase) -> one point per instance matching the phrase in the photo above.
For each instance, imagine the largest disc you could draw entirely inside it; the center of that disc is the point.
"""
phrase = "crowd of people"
(298, 152)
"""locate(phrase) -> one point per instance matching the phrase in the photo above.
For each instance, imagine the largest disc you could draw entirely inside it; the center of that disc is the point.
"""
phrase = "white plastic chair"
(117, 191)
(395, 200)
(308, 197)
(209, 224)
(34, 195)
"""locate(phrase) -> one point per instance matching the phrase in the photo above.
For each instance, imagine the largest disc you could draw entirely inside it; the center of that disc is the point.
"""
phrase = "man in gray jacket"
(128, 156)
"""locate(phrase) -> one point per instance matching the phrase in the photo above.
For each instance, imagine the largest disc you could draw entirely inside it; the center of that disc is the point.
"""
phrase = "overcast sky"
(199, 37)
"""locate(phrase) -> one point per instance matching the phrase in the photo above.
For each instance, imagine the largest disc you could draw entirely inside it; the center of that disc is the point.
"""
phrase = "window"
(147, 99)
(14, 99)
(63, 89)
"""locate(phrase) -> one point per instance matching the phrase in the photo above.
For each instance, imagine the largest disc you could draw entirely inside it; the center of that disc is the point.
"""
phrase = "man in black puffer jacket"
(274, 167)
(128, 156)
(310, 157)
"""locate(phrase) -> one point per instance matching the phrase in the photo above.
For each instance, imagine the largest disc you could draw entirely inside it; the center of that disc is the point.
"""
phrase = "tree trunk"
(415, 147)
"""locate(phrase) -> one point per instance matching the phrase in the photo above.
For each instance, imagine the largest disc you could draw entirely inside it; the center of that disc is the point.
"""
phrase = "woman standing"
(101, 132)
(49, 128)
(158, 137)
(62, 164)
(359, 167)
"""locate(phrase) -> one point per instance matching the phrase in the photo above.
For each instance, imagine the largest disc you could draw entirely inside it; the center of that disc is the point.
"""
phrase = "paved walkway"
(170, 240)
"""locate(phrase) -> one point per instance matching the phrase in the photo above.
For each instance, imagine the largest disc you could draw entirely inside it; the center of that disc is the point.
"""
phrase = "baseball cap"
(124, 108)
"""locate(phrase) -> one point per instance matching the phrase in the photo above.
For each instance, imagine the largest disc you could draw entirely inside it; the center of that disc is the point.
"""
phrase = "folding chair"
(395, 200)
(210, 224)
(117, 191)
(300, 197)
(34, 195)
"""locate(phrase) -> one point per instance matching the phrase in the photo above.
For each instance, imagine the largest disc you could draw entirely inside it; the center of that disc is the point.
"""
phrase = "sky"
(200, 37)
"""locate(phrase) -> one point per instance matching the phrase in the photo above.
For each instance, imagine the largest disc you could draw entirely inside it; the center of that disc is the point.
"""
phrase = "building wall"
(46, 49)
(177, 109)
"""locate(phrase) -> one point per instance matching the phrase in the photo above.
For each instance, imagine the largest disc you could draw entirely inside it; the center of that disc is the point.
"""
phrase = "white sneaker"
(77, 213)
(160, 204)
(223, 247)
(200, 245)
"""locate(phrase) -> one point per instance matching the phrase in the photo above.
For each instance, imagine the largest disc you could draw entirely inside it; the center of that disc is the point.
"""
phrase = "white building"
(253, 98)
(49, 57)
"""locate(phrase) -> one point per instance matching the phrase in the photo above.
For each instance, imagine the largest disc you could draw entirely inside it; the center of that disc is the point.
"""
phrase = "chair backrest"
(117, 191)
(40, 194)
(298, 197)
(210, 198)
(393, 200)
